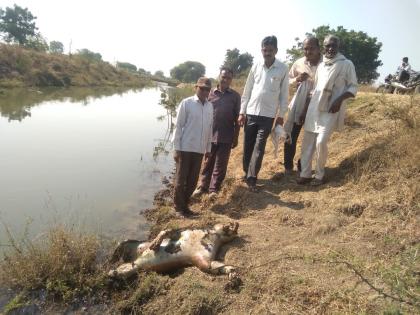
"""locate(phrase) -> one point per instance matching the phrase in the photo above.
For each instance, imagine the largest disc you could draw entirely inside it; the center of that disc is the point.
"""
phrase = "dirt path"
(338, 248)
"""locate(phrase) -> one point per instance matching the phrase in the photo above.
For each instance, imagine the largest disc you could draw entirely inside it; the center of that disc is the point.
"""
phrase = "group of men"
(209, 122)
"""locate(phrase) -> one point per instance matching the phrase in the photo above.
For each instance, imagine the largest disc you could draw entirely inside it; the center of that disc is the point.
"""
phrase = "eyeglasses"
(203, 88)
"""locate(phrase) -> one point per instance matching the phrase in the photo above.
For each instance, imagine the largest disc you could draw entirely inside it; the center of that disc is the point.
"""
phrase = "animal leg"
(126, 250)
(217, 267)
(124, 271)
(155, 244)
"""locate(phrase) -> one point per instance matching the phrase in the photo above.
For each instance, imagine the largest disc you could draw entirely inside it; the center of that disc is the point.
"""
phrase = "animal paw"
(234, 283)
(229, 269)
(232, 276)
(113, 273)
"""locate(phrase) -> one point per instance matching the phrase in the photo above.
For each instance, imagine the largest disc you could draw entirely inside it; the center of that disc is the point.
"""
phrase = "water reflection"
(15, 104)
(169, 99)
(88, 157)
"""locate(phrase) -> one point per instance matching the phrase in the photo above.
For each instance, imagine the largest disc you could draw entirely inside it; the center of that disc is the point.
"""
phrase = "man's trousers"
(215, 167)
(257, 130)
(186, 177)
(314, 143)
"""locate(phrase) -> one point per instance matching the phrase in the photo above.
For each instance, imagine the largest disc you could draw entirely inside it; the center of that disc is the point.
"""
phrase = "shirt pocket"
(275, 84)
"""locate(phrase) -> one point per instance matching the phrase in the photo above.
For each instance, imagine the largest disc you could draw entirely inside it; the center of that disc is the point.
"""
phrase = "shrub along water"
(27, 67)
(63, 264)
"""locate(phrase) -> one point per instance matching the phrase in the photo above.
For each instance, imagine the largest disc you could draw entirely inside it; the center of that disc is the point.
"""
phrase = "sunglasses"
(203, 88)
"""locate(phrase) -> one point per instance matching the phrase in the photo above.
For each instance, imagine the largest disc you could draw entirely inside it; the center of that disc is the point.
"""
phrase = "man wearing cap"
(191, 139)
(226, 105)
(265, 96)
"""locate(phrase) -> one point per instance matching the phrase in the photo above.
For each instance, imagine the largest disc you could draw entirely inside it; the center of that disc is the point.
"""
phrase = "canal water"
(89, 159)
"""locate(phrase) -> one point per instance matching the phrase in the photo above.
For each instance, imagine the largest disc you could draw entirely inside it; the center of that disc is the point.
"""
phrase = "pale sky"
(158, 35)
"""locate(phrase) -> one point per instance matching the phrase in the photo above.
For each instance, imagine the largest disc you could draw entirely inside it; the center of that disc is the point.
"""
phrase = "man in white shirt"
(404, 70)
(264, 97)
(301, 77)
(335, 81)
(191, 139)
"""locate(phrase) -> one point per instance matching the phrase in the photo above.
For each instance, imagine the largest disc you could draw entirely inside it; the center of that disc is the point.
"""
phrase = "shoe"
(184, 212)
(213, 195)
(188, 213)
(288, 172)
(317, 182)
(198, 192)
(303, 180)
(253, 188)
(280, 175)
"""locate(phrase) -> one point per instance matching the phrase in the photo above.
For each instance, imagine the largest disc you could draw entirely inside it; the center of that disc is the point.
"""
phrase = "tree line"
(17, 26)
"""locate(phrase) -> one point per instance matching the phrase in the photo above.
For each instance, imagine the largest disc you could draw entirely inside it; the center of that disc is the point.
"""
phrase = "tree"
(89, 55)
(239, 63)
(159, 74)
(56, 47)
(295, 52)
(188, 71)
(143, 72)
(360, 48)
(126, 66)
(37, 42)
(17, 24)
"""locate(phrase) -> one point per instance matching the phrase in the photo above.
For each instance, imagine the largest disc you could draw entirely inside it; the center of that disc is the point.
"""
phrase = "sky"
(158, 35)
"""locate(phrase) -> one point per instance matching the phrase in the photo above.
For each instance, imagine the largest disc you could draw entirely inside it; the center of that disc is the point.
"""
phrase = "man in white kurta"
(335, 81)
(301, 77)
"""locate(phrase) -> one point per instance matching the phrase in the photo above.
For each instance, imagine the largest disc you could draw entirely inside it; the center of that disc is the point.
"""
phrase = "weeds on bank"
(16, 303)
(392, 162)
(394, 278)
(385, 175)
(148, 286)
(402, 112)
(27, 67)
(63, 264)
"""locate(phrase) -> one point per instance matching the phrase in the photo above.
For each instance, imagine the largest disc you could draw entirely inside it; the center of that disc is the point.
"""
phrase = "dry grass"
(366, 88)
(26, 67)
(350, 246)
(63, 264)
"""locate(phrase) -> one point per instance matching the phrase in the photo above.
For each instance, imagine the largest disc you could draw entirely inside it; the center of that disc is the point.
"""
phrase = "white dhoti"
(333, 78)
(314, 145)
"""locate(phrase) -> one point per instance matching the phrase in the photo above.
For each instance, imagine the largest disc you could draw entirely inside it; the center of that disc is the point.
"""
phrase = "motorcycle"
(393, 85)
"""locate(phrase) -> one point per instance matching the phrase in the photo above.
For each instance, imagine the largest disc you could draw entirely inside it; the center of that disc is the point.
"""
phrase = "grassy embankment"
(349, 246)
(25, 67)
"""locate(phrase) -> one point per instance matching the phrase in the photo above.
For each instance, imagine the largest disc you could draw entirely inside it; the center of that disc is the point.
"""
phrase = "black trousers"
(403, 76)
(186, 177)
(290, 149)
(257, 130)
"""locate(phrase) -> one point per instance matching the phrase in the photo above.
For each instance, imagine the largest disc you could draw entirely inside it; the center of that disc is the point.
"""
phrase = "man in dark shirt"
(226, 106)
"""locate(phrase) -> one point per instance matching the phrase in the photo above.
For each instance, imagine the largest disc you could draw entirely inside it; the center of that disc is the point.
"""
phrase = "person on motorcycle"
(403, 71)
